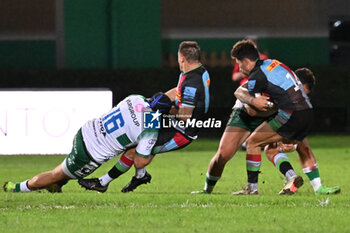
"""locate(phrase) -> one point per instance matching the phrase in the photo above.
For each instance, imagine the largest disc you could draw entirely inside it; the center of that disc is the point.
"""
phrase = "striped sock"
(210, 182)
(282, 163)
(122, 166)
(314, 176)
(22, 187)
(253, 163)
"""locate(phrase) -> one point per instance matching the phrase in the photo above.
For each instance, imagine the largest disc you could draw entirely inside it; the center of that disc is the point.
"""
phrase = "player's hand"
(261, 103)
(285, 148)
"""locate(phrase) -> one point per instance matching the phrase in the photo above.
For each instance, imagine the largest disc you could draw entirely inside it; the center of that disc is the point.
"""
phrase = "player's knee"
(57, 175)
(224, 155)
(251, 142)
(141, 162)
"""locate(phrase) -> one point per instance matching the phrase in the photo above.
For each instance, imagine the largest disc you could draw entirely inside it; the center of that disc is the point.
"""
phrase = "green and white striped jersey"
(119, 129)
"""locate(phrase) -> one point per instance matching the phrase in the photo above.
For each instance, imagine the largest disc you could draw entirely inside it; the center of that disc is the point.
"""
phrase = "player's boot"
(248, 190)
(292, 186)
(9, 187)
(203, 191)
(323, 190)
(135, 182)
(93, 184)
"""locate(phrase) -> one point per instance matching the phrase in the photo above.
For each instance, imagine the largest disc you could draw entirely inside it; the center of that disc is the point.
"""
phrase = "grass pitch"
(166, 204)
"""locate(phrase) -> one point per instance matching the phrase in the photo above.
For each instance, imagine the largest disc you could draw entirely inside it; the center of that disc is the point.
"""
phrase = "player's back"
(113, 132)
(280, 83)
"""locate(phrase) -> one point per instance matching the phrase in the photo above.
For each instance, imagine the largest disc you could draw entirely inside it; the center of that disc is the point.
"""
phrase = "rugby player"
(240, 125)
(101, 139)
(237, 75)
(191, 100)
(306, 157)
(294, 117)
(238, 129)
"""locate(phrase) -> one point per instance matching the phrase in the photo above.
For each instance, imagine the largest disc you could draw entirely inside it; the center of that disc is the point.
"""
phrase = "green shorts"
(79, 162)
(239, 118)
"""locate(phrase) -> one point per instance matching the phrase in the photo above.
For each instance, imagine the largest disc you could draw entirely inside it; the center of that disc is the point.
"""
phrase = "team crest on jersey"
(151, 120)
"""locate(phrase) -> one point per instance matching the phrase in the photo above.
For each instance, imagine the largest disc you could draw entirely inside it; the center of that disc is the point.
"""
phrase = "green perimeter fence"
(331, 97)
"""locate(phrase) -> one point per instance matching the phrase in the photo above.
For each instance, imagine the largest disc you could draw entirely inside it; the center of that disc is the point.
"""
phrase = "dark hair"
(190, 50)
(161, 102)
(306, 77)
(245, 49)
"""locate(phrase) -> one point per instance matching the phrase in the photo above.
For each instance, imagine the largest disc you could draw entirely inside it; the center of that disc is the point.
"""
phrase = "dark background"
(130, 46)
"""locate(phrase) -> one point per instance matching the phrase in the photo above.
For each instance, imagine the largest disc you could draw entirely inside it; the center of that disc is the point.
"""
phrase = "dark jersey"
(280, 83)
(193, 91)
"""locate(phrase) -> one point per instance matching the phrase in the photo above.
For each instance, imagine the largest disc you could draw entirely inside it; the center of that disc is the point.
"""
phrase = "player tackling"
(101, 139)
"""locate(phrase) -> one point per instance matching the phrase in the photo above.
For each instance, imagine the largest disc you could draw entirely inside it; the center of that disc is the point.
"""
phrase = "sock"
(22, 187)
(210, 182)
(122, 166)
(253, 163)
(105, 179)
(282, 163)
(314, 176)
(140, 172)
(253, 186)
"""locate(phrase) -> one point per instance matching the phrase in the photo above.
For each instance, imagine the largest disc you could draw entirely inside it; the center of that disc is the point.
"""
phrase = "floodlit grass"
(165, 205)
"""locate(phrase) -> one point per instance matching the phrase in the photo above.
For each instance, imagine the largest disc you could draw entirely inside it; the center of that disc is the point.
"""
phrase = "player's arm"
(256, 84)
(243, 95)
(256, 113)
(171, 94)
(182, 112)
(254, 105)
(185, 106)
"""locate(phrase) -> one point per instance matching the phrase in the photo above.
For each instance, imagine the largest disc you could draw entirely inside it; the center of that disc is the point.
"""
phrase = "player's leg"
(281, 162)
(122, 166)
(237, 130)
(141, 175)
(40, 181)
(77, 164)
(47, 178)
(262, 136)
(253, 162)
(168, 140)
(230, 142)
(310, 168)
(288, 127)
(265, 135)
